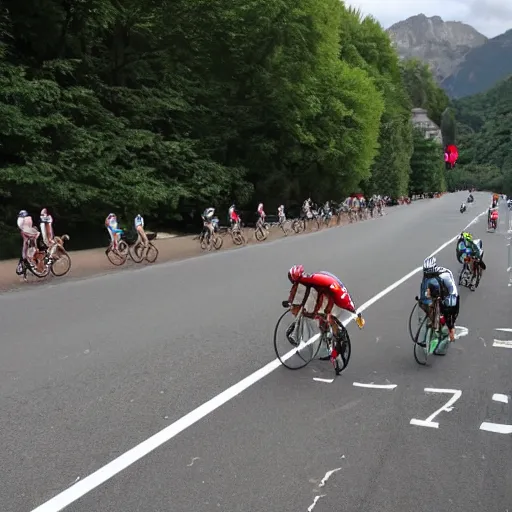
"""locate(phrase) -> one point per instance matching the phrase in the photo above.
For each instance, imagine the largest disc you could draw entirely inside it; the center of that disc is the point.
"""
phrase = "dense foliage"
(165, 107)
(485, 140)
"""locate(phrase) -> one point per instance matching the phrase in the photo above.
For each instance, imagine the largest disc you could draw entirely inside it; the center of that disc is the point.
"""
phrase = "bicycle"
(338, 347)
(262, 230)
(138, 252)
(299, 225)
(471, 272)
(208, 241)
(44, 259)
(285, 225)
(415, 319)
(430, 333)
(118, 255)
(237, 235)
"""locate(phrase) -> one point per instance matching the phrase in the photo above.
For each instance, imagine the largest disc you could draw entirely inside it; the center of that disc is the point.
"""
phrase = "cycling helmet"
(295, 273)
(467, 236)
(430, 265)
(23, 213)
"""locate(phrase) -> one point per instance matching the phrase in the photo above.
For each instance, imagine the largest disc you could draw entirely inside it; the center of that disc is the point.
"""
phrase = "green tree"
(426, 165)
(448, 127)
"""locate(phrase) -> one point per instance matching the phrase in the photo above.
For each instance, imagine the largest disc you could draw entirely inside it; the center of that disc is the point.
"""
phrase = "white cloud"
(490, 17)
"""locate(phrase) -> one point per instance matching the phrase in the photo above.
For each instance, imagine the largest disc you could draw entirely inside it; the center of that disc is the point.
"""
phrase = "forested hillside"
(485, 140)
(165, 107)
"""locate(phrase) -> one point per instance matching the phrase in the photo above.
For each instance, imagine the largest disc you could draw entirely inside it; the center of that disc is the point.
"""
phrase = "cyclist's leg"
(451, 312)
(24, 247)
(111, 234)
(141, 236)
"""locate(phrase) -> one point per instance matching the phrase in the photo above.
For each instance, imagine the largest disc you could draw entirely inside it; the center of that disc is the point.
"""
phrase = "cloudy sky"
(490, 17)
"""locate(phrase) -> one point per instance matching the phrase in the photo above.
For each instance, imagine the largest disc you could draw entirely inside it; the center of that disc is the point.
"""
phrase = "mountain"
(481, 68)
(442, 44)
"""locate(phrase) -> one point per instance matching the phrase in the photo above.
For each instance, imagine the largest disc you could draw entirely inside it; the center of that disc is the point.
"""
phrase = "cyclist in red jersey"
(320, 293)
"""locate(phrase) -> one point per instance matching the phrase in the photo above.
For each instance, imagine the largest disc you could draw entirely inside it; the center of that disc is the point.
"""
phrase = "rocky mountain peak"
(442, 44)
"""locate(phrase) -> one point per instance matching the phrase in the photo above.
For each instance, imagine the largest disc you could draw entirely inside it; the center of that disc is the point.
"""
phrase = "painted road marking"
(497, 428)
(502, 343)
(374, 386)
(328, 381)
(447, 407)
(504, 329)
(460, 332)
(105, 473)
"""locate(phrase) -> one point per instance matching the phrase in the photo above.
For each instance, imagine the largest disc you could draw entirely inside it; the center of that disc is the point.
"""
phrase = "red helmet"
(295, 273)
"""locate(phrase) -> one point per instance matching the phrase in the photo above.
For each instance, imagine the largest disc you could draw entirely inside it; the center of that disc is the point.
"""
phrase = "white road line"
(497, 428)
(498, 397)
(447, 407)
(502, 343)
(318, 379)
(327, 476)
(504, 329)
(100, 476)
(374, 386)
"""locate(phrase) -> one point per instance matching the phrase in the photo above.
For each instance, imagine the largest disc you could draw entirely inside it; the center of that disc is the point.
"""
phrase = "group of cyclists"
(492, 212)
(355, 205)
(323, 295)
(115, 231)
(32, 238)
(43, 239)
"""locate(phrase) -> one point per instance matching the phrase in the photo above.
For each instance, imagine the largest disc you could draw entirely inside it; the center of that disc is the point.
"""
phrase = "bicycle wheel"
(136, 252)
(298, 226)
(61, 265)
(237, 238)
(422, 343)
(415, 318)
(315, 224)
(217, 242)
(203, 242)
(294, 344)
(117, 258)
(477, 275)
(151, 253)
(343, 348)
(40, 272)
(260, 234)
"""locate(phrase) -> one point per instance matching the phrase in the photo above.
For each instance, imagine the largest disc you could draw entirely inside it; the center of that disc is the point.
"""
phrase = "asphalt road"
(90, 369)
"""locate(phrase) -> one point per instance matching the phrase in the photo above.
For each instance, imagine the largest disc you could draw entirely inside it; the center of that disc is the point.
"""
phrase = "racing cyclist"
(493, 216)
(113, 230)
(439, 282)
(28, 233)
(465, 241)
(139, 227)
(281, 215)
(261, 213)
(207, 217)
(320, 293)
(46, 226)
(233, 217)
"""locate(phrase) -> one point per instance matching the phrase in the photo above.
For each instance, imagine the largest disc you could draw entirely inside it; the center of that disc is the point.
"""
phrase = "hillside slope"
(482, 67)
(485, 138)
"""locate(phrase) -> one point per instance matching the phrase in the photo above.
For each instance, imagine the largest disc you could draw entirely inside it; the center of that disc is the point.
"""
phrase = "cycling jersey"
(322, 293)
(139, 221)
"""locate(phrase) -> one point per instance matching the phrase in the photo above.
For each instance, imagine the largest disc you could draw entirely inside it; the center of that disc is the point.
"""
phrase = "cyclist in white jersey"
(139, 227)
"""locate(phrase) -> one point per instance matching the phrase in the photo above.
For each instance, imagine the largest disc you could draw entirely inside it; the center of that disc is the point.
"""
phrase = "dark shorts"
(451, 313)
